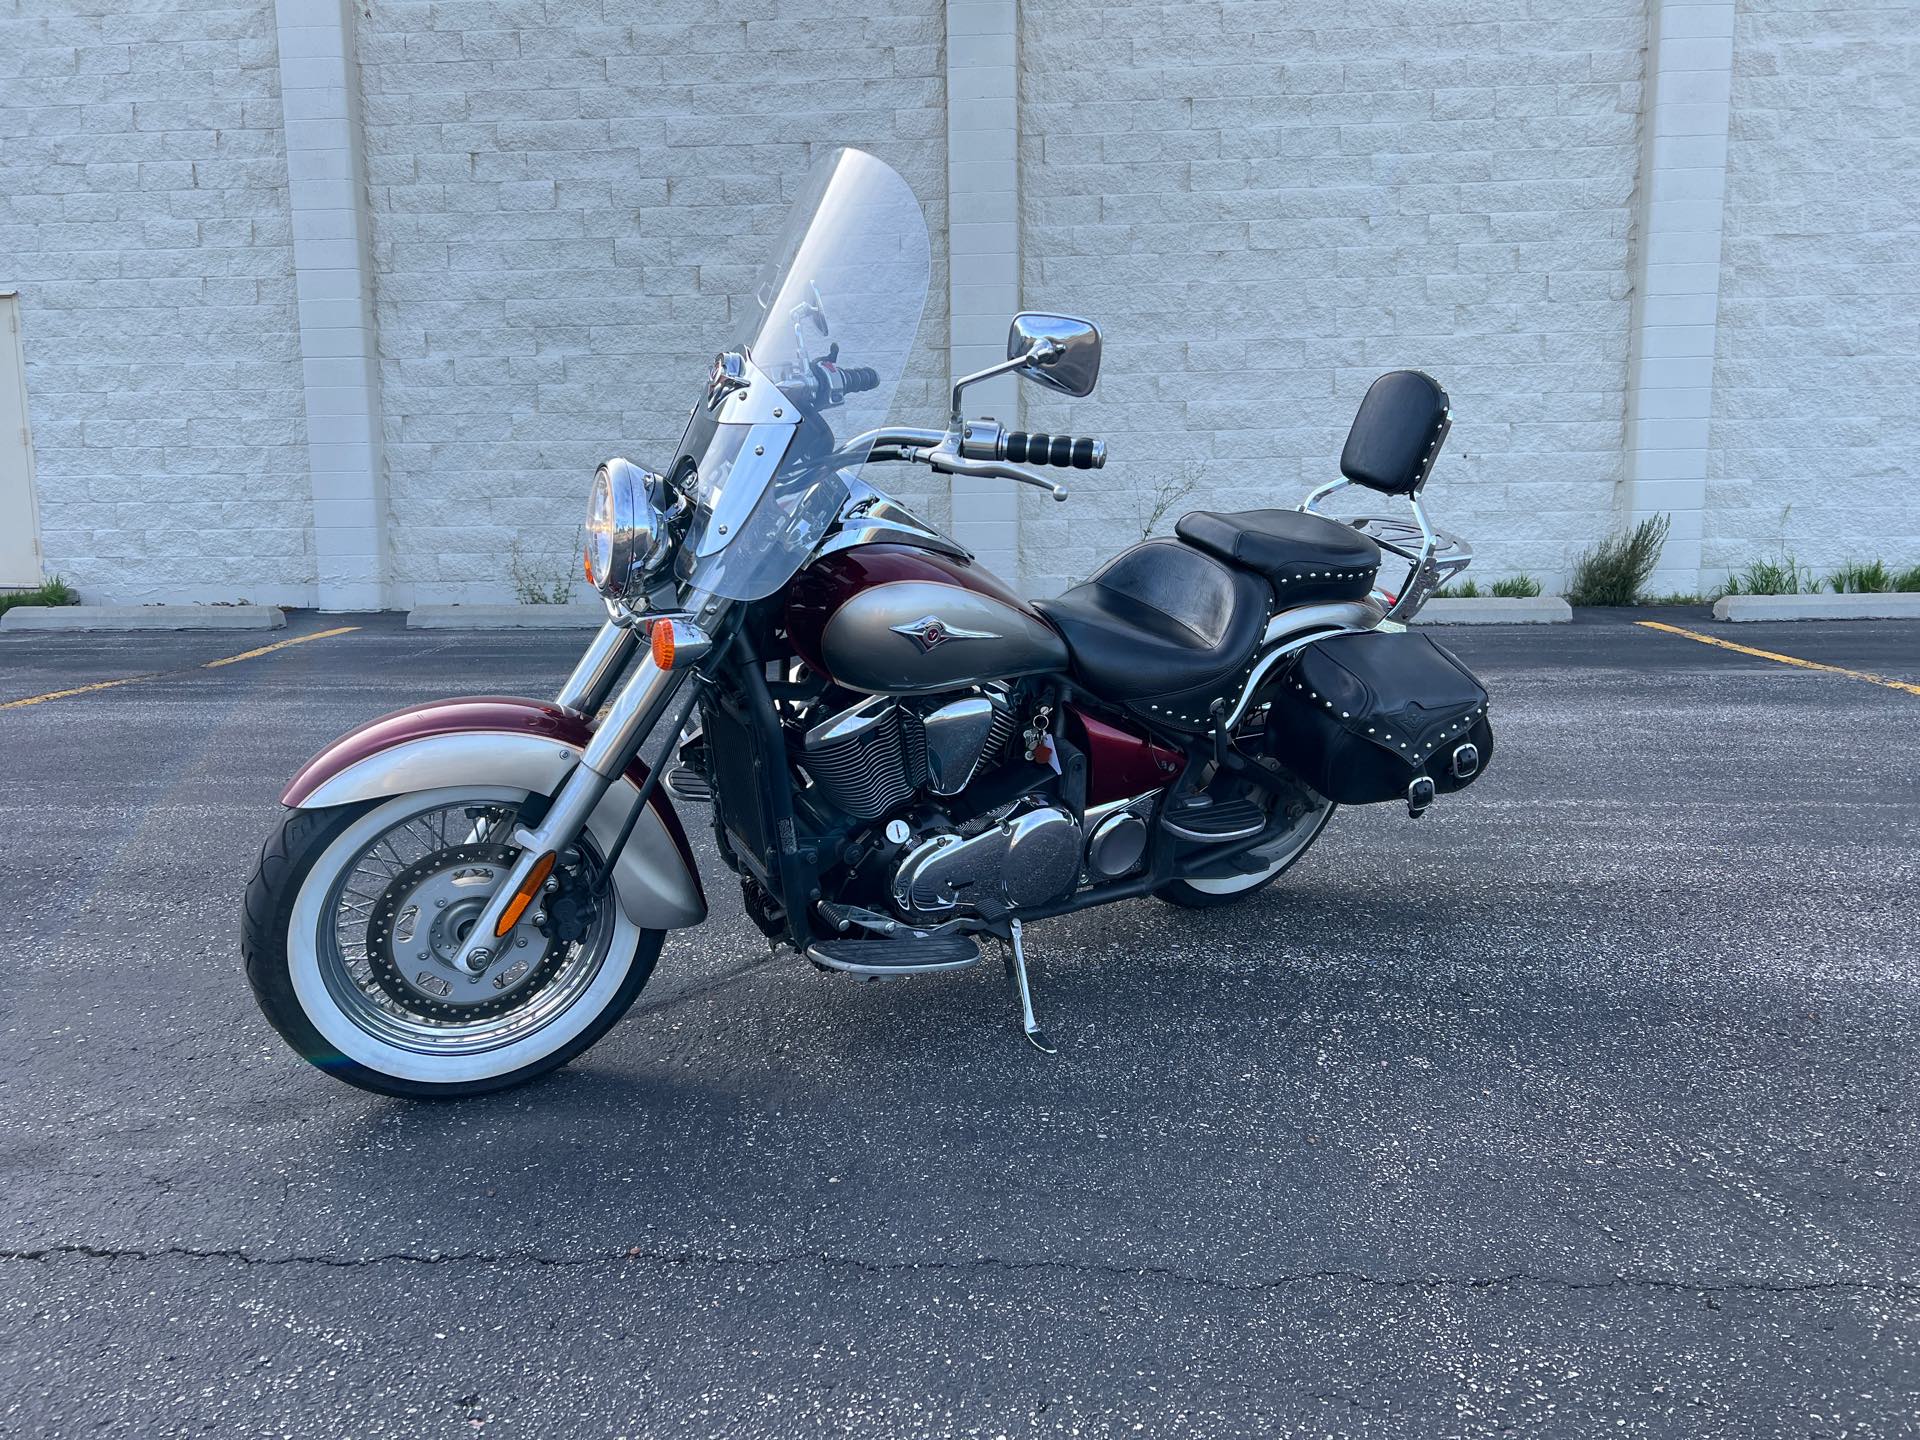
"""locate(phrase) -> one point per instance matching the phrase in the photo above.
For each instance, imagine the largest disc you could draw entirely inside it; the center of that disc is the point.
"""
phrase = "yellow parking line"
(209, 665)
(77, 690)
(278, 645)
(1781, 659)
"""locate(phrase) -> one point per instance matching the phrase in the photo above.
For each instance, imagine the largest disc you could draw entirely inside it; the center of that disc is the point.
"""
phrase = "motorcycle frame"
(635, 704)
(792, 871)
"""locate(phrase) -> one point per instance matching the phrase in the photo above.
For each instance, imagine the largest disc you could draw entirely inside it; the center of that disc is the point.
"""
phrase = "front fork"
(636, 708)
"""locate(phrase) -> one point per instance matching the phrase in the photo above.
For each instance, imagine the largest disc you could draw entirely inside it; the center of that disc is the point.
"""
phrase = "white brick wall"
(143, 218)
(1816, 436)
(564, 196)
(1266, 204)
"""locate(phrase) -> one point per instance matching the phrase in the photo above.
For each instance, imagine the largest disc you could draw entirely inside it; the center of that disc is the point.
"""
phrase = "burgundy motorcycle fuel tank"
(895, 620)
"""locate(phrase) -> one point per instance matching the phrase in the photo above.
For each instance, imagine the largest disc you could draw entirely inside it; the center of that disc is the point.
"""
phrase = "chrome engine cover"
(960, 735)
(1025, 860)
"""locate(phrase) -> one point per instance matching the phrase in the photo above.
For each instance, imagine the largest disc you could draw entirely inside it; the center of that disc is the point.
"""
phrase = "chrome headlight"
(627, 540)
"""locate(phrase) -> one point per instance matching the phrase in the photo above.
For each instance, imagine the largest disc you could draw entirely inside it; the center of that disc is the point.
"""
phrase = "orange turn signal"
(662, 645)
(523, 897)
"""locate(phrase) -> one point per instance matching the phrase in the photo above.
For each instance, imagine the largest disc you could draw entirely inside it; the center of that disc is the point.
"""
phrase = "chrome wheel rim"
(385, 947)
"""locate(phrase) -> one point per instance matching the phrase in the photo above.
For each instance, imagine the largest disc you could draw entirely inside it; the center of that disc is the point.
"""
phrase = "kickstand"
(1017, 972)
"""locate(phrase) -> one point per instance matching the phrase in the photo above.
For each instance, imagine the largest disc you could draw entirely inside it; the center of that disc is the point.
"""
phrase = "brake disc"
(423, 917)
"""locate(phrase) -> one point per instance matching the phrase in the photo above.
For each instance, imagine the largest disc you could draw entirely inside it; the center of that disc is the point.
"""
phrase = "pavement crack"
(1252, 1286)
(334, 1262)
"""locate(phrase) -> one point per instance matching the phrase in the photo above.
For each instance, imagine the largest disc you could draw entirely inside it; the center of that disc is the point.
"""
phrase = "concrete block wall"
(1266, 205)
(564, 196)
(1815, 446)
(143, 219)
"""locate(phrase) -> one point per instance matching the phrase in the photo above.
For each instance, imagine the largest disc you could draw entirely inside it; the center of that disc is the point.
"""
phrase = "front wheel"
(354, 915)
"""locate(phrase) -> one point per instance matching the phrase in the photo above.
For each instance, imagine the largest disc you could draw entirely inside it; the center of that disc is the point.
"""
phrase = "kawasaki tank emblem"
(930, 631)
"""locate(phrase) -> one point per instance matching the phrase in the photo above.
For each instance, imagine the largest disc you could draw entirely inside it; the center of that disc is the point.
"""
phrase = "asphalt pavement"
(1584, 1105)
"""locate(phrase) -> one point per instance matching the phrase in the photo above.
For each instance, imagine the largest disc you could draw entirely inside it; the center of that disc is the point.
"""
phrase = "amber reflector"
(663, 644)
(523, 897)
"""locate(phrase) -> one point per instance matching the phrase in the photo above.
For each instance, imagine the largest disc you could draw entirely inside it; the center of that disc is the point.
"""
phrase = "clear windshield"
(824, 336)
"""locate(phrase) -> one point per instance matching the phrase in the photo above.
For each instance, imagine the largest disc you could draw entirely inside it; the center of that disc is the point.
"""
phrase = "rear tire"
(1198, 894)
(298, 872)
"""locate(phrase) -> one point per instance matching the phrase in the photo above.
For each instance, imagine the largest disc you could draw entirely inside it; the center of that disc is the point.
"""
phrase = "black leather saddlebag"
(1361, 717)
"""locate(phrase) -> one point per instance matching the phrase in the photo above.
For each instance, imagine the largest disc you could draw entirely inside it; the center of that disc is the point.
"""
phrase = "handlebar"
(980, 448)
(828, 384)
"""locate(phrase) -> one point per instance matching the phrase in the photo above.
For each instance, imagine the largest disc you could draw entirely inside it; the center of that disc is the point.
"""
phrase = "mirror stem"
(1045, 353)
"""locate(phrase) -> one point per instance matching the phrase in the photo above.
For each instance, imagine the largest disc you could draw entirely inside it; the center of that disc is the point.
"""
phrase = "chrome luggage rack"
(1433, 556)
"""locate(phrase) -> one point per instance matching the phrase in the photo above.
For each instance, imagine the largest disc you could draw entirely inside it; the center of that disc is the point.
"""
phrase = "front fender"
(526, 745)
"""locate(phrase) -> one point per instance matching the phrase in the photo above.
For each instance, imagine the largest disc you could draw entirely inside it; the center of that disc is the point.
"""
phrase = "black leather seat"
(1307, 558)
(1163, 628)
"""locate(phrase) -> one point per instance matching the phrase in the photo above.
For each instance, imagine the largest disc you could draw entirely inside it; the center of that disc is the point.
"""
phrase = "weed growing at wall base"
(1615, 571)
(541, 581)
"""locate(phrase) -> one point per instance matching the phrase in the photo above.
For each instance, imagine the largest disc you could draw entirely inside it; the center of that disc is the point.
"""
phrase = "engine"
(875, 757)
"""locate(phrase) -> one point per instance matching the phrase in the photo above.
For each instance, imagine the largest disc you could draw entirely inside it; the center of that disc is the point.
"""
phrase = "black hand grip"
(1034, 448)
(855, 378)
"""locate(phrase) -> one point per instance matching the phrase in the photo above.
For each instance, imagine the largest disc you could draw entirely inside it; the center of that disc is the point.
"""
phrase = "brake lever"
(946, 460)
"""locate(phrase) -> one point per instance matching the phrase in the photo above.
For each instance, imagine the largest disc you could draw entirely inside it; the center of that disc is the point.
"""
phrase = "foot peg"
(1017, 972)
(684, 782)
(906, 955)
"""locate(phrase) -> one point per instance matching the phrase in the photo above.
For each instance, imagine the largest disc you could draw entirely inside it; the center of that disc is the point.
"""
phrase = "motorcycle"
(903, 758)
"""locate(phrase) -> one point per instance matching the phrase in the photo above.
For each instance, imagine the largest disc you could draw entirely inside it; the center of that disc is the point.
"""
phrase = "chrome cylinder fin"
(860, 759)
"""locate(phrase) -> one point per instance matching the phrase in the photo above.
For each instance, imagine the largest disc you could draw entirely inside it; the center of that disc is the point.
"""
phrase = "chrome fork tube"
(638, 705)
(593, 678)
(632, 714)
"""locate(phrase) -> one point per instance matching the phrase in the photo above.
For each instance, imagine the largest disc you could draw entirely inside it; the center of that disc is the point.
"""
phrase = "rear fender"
(500, 740)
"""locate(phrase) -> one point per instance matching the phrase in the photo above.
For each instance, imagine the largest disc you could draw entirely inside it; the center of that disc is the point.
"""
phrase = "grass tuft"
(1857, 578)
(1516, 587)
(55, 592)
(1907, 580)
(1781, 575)
(1615, 571)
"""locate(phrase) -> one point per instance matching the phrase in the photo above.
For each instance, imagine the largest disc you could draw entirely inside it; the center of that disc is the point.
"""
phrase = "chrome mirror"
(1060, 352)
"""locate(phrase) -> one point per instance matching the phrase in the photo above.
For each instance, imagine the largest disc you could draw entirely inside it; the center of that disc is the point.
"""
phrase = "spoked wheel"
(1307, 815)
(355, 917)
